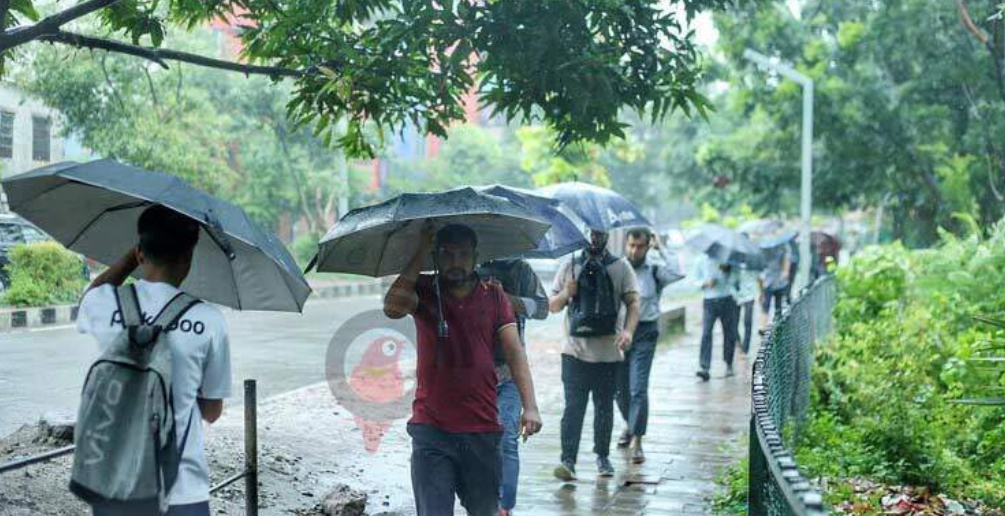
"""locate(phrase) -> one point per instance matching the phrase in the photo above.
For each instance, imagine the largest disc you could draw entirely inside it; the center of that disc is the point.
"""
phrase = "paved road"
(42, 370)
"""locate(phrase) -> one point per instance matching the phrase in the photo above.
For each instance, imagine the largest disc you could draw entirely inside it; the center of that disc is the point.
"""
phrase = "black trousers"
(448, 465)
(722, 309)
(581, 379)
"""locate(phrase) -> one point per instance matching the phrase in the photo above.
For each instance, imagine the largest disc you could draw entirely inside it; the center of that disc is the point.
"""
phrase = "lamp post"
(806, 192)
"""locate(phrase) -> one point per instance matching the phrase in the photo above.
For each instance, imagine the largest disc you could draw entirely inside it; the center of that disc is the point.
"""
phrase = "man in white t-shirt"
(200, 349)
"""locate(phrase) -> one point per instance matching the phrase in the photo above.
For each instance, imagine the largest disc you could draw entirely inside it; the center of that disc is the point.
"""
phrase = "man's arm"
(534, 302)
(563, 289)
(516, 359)
(633, 307)
(401, 299)
(119, 271)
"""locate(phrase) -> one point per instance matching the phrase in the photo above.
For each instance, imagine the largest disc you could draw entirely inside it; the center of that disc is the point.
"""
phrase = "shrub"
(305, 247)
(43, 273)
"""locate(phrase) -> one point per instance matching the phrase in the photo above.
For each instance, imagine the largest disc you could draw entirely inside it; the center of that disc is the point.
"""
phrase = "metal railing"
(249, 473)
(780, 397)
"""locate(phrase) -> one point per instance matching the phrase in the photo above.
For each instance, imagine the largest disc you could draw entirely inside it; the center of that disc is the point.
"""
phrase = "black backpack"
(593, 311)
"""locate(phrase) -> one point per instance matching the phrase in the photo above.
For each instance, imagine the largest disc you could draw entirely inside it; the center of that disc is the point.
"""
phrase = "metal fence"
(780, 398)
(249, 473)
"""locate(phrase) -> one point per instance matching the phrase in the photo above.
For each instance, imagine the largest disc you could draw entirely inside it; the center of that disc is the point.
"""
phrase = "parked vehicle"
(15, 230)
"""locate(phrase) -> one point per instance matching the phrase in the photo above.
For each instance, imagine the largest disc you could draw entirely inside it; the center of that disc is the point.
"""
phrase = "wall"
(13, 100)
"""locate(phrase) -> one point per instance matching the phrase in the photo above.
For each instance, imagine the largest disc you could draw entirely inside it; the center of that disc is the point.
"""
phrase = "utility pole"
(806, 187)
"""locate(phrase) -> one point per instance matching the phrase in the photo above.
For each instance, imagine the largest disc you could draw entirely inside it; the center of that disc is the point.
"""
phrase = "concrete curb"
(672, 321)
(40, 317)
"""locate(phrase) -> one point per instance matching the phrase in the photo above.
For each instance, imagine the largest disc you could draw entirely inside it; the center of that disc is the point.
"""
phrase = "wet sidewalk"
(694, 431)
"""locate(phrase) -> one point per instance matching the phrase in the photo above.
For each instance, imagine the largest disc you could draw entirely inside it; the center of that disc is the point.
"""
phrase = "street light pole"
(806, 188)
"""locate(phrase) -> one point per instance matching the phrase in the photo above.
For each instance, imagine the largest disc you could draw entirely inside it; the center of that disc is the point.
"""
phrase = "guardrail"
(780, 397)
(249, 473)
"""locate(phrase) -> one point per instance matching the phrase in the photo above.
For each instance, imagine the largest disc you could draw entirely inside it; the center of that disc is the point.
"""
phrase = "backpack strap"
(129, 306)
(174, 309)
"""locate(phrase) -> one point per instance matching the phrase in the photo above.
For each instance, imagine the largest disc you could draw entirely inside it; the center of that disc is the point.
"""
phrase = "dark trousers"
(721, 309)
(445, 465)
(581, 379)
(745, 313)
(633, 378)
(192, 509)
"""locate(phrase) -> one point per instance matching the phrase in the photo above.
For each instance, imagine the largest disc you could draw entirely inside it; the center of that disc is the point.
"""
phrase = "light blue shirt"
(653, 275)
(708, 269)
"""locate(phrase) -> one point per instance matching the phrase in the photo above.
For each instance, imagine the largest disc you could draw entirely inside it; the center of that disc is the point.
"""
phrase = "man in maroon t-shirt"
(455, 426)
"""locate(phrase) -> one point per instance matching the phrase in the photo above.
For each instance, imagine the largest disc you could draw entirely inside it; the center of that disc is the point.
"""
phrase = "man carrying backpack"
(653, 274)
(594, 285)
(164, 367)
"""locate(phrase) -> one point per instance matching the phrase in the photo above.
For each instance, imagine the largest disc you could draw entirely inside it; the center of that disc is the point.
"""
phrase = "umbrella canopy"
(380, 240)
(727, 246)
(758, 227)
(777, 240)
(92, 208)
(601, 209)
(567, 233)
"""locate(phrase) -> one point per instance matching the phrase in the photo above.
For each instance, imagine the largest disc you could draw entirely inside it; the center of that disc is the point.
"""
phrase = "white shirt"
(200, 352)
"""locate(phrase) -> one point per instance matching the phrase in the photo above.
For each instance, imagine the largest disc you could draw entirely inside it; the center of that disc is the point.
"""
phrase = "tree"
(223, 133)
(906, 126)
(573, 64)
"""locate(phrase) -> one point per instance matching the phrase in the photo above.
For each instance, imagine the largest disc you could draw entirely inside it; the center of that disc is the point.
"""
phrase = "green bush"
(305, 247)
(43, 273)
(886, 386)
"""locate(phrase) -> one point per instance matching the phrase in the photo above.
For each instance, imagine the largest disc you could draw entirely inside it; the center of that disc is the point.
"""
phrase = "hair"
(638, 233)
(165, 235)
(453, 234)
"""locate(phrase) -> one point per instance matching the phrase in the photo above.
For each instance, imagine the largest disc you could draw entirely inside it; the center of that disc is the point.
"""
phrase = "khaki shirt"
(597, 349)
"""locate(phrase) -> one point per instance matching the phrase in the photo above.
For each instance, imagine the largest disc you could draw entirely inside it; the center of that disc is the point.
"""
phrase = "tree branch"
(4, 9)
(968, 22)
(162, 55)
(20, 35)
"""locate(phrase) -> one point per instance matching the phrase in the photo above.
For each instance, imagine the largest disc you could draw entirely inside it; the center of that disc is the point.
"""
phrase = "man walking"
(653, 274)
(594, 286)
(529, 301)
(200, 349)
(716, 284)
(774, 282)
(745, 294)
(455, 423)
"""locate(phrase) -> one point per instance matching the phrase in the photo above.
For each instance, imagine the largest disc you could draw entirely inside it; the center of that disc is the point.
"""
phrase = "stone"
(55, 429)
(342, 500)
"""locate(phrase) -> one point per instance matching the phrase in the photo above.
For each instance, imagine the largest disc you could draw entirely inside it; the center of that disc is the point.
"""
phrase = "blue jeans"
(633, 378)
(447, 465)
(510, 408)
(193, 509)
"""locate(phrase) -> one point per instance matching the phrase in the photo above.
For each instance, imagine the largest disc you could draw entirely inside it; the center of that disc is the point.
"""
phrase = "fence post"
(251, 448)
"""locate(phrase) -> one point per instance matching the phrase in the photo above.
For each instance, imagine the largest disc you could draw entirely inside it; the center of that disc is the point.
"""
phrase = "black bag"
(593, 311)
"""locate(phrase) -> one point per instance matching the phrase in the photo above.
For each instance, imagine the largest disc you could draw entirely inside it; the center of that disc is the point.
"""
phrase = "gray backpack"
(126, 441)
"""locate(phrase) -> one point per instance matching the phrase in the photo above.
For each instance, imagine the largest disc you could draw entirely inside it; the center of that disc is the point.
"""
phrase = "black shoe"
(625, 439)
(604, 467)
(703, 374)
(566, 471)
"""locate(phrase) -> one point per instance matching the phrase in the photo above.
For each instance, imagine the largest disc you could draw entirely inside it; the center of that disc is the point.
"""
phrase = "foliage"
(572, 64)
(885, 389)
(735, 480)
(912, 127)
(305, 247)
(575, 163)
(43, 273)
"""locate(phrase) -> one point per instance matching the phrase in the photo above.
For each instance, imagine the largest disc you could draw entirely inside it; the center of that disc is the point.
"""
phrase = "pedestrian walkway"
(694, 432)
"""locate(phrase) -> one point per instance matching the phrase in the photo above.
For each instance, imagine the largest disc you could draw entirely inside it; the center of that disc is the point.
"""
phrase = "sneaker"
(604, 467)
(625, 439)
(638, 456)
(703, 374)
(566, 471)
(729, 371)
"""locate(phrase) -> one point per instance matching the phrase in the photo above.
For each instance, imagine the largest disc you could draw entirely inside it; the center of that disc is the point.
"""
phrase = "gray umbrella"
(727, 246)
(380, 240)
(92, 208)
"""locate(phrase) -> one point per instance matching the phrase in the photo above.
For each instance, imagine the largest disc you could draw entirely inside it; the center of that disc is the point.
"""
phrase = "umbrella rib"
(87, 227)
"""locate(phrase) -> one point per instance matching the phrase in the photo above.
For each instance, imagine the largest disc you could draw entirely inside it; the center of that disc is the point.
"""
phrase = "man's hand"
(571, 287)
(624, 340)
(530, 422)
(709, 284)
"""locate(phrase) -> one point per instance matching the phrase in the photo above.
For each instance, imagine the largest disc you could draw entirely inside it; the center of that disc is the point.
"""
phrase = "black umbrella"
(380, 240)
(567, 233)
(727, 246)
(92, 208)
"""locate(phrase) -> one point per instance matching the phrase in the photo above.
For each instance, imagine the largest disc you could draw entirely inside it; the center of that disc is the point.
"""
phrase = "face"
(456, 262)
(636, 249)
(598, 241)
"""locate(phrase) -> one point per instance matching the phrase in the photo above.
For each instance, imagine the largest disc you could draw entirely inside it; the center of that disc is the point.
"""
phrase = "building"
(29, 136)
